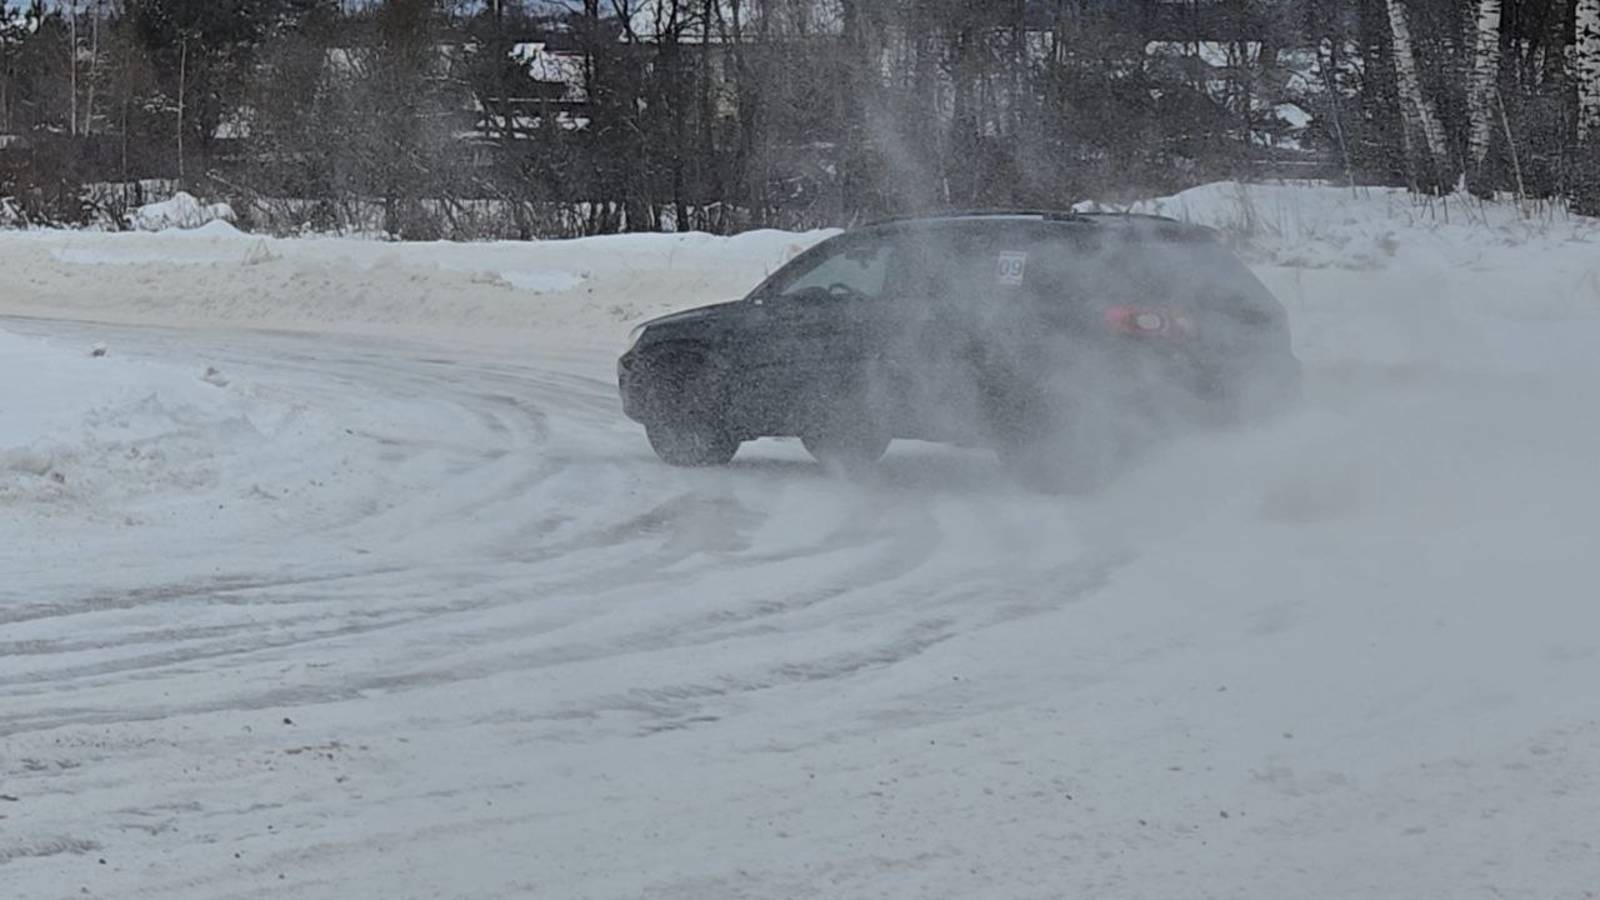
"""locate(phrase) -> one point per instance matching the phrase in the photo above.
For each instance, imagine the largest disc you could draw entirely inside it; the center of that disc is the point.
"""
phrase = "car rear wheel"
(694, 444)
(846, 434)
(1059, 452)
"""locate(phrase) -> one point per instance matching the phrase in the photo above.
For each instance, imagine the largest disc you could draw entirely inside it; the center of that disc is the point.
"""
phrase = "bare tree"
(1587, 69)
(722, 114)
(94, 66)
(183, 96)
(1584, 170)
(72, 67)
(1417, 108)
(1482, 89)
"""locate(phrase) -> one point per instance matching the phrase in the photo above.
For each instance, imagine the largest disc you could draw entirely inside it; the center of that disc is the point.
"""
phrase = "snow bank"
(1455, 259)
(81, 424)
(1461, 265)
(1316, 225)
(185, 212)
(596, 286)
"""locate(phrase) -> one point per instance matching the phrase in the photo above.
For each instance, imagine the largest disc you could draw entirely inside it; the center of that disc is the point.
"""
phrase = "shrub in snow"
(182, 211)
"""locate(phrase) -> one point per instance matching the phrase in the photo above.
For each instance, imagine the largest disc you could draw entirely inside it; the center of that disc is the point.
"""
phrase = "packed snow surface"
(338, 573)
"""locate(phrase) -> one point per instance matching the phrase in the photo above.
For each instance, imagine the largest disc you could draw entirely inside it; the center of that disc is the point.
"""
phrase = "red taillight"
(1149, 321)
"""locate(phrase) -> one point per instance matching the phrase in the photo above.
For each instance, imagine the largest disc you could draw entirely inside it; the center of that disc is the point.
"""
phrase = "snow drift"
(82, 424)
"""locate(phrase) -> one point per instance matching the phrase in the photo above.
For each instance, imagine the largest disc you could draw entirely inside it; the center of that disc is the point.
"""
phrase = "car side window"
(856, 271)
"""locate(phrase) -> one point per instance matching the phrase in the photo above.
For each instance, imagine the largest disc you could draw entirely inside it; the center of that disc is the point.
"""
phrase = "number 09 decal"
(1011, 268)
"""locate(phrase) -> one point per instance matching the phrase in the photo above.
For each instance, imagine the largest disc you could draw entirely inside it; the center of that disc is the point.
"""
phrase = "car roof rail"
(1048, 215)
(1143, 217)
(1057, 215)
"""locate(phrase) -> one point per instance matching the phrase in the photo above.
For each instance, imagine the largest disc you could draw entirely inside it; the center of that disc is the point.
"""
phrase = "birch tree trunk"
(708, 189)
(1485, 81)
(1587, 68)
(72, 68)
(1585, 184)
(1553, 64)
(183, 77)
(94, 70)
(1415, 106)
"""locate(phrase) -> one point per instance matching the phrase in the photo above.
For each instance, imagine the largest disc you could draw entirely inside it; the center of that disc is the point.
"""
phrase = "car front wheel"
(692, 444)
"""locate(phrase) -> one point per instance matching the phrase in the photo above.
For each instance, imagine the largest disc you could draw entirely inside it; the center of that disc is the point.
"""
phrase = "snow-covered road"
(494, 593)
(403, 618)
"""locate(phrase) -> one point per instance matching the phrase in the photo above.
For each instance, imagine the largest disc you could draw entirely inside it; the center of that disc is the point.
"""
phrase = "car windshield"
(849, 266)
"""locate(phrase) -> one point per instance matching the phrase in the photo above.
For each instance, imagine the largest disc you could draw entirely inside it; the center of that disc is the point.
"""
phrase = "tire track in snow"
(490, 522)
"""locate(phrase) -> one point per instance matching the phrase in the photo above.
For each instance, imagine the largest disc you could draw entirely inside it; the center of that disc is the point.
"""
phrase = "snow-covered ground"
(338, 573)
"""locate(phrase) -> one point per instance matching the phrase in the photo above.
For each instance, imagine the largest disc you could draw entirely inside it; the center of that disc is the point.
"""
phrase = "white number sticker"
(1012, 267)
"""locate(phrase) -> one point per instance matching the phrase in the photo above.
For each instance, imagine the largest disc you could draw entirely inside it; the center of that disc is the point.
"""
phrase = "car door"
(820, 321)
(951, 281)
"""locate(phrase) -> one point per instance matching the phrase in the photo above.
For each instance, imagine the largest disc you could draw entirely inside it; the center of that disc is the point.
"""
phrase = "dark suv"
(1063, 340)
